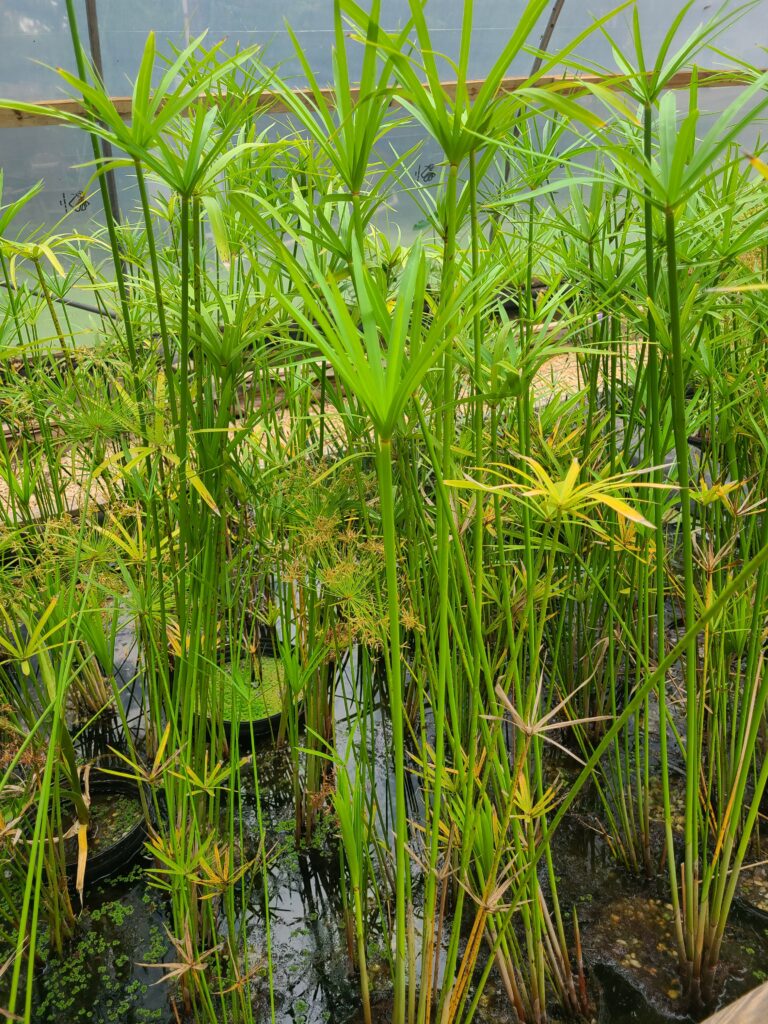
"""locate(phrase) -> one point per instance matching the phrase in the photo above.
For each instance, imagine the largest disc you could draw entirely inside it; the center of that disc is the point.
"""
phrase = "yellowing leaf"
(82, 857)
(760, 167)
(623, 509)
(161, 747)
(201, 489)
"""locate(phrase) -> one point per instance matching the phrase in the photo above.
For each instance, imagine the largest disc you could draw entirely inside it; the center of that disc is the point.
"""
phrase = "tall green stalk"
(395, 687)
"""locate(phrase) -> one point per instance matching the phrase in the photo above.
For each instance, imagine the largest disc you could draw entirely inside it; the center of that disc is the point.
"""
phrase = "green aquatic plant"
(248, 693)
(284, 421)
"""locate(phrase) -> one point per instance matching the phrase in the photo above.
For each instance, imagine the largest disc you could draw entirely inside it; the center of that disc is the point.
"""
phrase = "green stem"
(402, 865)
(446, 425)
(692, 716)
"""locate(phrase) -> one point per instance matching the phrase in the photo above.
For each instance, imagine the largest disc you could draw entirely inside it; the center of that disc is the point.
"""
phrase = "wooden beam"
(12, 117)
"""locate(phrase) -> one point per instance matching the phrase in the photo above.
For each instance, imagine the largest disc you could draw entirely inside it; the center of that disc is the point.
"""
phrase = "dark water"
(627, 933)
(123, 924)
(625, 926)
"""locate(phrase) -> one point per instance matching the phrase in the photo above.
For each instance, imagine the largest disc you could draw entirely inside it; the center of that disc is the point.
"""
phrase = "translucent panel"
(51, 154)
(32, 31)
(36, 30)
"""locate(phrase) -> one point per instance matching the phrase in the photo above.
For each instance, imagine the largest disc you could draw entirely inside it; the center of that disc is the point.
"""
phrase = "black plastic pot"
(259, 728)
(626, 1000)
(125, 851)
(751, 910)
(510, 298)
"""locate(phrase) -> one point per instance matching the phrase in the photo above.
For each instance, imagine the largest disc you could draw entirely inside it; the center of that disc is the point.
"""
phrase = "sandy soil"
(559, 375)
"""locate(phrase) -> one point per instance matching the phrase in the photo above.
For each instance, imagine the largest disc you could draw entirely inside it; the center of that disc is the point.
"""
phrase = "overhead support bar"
(12, 117)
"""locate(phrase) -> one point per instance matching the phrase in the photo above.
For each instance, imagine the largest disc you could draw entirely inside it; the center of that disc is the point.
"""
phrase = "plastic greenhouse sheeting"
(34, 32)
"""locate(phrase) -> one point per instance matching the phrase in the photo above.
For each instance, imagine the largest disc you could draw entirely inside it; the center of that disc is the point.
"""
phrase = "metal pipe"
(92, 19)
(67, 302)
(547, 35)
